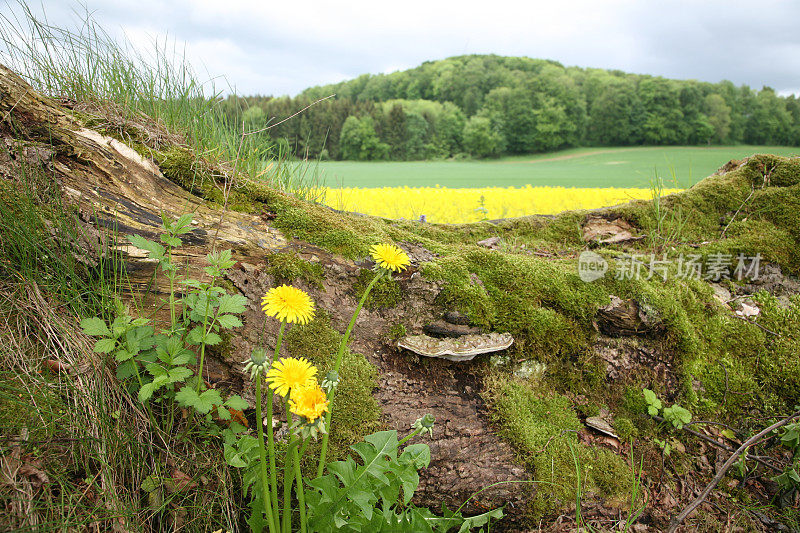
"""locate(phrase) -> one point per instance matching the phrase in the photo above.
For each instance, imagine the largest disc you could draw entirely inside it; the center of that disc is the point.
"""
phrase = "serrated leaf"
(212, 339)
(95, 327)
(155, 369)
(104, 345)
(184, 357)
(202, 403)
(183, 224)
(195, 336)
(122, 355)
(179, 373)
(126, 370)
(223, 414)
(236, 402)
(229, 321)
(232, 303)
(147, 391)
(212, 397)
(155, 250)
(187, 396)
(174, 242)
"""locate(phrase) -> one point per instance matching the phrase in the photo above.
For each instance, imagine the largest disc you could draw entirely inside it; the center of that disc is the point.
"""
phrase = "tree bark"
(119, 192)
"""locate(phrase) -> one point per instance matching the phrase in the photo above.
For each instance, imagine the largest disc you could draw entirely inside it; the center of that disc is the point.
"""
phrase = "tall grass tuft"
(85, 64)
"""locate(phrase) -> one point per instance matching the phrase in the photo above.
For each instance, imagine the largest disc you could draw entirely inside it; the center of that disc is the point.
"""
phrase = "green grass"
(115, 82)
(579, 167)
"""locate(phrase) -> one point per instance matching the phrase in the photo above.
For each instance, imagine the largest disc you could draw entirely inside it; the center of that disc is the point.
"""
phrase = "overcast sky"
(282, 47)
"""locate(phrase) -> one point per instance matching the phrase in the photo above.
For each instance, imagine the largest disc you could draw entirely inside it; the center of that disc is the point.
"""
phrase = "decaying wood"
(114, 188)
(623, 318)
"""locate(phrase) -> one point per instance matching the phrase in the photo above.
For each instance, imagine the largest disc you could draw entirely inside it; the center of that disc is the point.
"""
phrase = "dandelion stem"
(300, 490)
(287, 475)
(265, 486)
(271, 431)
(339, 354)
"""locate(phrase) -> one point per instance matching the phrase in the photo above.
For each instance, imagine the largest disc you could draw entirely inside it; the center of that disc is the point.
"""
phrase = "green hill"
(488, 106)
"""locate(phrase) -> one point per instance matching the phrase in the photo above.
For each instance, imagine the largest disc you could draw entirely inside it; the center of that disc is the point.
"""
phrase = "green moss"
(625, 428)
(385, 293)
(544, 305)
(397, 331)
(542, 426)
(198, 176)
(289, 267)
(355, 412)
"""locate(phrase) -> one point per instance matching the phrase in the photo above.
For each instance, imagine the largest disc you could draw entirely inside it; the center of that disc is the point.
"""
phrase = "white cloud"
(284, 47)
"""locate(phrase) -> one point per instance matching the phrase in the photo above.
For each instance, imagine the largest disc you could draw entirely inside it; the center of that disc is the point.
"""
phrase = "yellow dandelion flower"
(390, 257)
(288, 304)
(289, 374)
(309, 402)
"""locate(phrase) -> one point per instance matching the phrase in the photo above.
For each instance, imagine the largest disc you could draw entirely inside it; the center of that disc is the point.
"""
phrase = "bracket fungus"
(462, 348)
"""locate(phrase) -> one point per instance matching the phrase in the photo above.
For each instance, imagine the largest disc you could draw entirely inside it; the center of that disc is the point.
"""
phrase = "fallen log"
(117, 191)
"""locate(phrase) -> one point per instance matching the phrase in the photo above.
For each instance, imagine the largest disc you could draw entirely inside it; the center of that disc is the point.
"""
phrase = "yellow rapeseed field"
(452, 206)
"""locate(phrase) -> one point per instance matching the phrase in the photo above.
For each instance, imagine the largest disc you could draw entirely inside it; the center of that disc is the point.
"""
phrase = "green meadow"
(578, 167)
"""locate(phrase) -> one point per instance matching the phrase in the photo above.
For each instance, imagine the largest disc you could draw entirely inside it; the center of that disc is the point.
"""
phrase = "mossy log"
(117, 192)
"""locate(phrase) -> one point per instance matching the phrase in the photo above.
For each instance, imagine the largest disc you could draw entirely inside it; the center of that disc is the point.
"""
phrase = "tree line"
(488, 106)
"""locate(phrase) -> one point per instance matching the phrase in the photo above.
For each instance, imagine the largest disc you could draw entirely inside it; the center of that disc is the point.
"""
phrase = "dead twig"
(722, 446)
(677, 520)
(752, 190)
(757, 325)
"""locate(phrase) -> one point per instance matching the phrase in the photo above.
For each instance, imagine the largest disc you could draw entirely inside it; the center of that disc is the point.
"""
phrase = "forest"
(488, 106)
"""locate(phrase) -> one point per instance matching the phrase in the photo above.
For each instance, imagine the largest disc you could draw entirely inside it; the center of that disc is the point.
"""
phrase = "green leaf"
(95, 327)
(187, 397)
(232, 303)
(184, 357)
(202, 403)
(653, 403)
(236, 402)
(179, 373)
(212, 339)
(229, 321)
(183, 224)
(223, 414)
(155, 250)
(233, 457)
(147, 391)
(195, 336)
(122, 355)
(105, 345)
(212, 397)
(156, 370)
(126, 370)
(174, 242)
(677, 415)
(151, 483)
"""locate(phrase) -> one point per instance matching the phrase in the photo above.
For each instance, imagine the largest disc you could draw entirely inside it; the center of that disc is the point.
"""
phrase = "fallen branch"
(721, 445)
(677, 520)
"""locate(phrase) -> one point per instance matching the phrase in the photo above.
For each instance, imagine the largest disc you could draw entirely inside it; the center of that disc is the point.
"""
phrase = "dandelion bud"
(331, 381)
(257, 364)
(424, 424)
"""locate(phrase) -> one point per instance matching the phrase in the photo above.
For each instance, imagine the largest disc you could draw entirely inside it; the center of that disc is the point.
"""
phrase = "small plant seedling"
(653, 403)
(677, 416)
